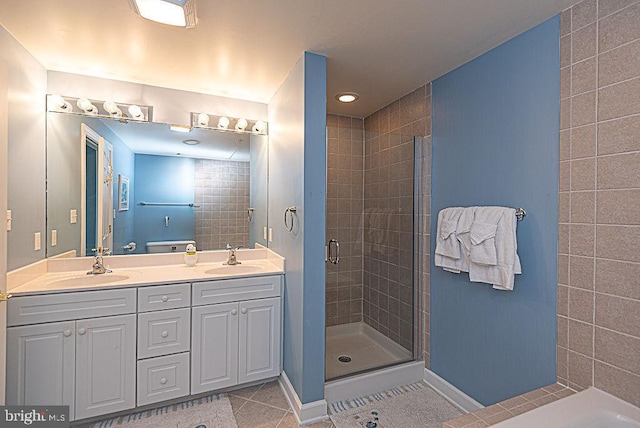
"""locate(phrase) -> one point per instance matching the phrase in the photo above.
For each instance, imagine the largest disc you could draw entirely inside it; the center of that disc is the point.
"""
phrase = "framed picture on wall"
(123, 193)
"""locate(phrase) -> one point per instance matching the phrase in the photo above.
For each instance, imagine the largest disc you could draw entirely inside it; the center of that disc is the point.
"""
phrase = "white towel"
(447, 244)
(493, 253)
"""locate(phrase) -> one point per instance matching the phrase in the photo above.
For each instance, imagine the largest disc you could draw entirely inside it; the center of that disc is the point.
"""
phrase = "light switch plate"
(9, 220)
(270, 234)
(37, 241)
(73, 216)
(54, 238)
(264, 233)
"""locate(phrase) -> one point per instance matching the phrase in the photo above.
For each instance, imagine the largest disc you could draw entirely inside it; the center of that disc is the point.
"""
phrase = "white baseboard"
(373, 382)
(308, 413)
(452, 394)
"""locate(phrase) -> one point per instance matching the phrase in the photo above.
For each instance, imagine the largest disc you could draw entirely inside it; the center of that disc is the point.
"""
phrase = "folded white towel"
(447, 254)
(485, 243)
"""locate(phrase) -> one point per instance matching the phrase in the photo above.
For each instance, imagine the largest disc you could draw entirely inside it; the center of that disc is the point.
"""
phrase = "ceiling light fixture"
(241, 124)
(135, 112)
(59, 103)
(112, 108)
(180, 128)
(223, 122)
(203, 119)
(85, 105)
(347, 97)
(191, 142)
(179, 13)
(259, 127)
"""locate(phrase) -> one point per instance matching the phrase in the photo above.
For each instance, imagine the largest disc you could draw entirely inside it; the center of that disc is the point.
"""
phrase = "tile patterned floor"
(264, 406)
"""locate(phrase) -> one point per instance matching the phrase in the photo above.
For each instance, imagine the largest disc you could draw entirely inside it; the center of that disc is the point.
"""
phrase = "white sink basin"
(84, 280)
(234, 270)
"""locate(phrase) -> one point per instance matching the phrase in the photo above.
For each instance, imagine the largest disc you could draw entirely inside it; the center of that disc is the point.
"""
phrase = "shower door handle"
(330, 257)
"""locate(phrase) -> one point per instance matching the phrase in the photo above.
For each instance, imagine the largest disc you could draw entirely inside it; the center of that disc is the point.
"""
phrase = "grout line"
(616, 11)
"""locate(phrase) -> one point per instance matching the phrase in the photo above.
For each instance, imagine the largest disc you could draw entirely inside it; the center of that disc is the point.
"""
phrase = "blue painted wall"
(297, 176)
(162, 179)
(495, 142)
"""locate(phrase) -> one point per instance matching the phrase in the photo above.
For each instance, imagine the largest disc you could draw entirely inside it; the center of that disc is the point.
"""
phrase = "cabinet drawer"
(231, 290)
(163, 332)
(163, 378)
(23, 310)
(164, 297)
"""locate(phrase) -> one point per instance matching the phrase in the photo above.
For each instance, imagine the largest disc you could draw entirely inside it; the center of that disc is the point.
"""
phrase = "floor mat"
(213, 411)
(409, 406)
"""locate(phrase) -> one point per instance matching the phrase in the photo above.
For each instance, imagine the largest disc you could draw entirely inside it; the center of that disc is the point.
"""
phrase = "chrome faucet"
(232, 260)
(98, 267)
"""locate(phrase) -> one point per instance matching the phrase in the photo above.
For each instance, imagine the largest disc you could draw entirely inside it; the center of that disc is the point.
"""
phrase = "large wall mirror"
(111, 182)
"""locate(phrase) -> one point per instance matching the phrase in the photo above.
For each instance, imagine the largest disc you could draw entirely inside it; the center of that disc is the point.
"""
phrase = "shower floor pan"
(358, 347)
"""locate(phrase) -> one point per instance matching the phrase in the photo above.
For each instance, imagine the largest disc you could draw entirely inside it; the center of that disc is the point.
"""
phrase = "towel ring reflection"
(249, 214)
(291, 211)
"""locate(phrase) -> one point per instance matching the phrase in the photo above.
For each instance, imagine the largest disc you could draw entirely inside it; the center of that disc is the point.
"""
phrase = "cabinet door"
(105, 365)
(214, 347)
(41, 364)
(259, 347)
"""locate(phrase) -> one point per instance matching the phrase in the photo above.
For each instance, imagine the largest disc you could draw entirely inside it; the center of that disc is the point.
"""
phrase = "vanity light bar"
(230, 124)
(98, 108)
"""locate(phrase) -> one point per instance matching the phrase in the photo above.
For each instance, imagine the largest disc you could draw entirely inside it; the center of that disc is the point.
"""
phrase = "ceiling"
(244, 49)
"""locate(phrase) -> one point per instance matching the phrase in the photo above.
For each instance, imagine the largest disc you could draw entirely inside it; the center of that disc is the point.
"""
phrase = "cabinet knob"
(164, 334)
(234, 311)
(82, 331)
(67, 333)
(165, 298)
(244, 310)
(163, 380)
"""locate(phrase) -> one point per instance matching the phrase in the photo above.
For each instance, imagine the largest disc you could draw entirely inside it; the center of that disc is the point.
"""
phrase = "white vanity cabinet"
(106, 351)
(235, 341)
(88, 364)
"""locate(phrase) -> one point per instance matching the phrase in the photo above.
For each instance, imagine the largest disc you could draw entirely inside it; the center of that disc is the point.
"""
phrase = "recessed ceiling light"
(347, 97)
(191, 142)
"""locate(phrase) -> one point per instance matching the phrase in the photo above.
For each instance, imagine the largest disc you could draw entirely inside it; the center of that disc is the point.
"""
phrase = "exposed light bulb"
(85, 105)
(203, 119)
(112, 108)
(241, 124)
(135, 112)
(223, 122)
(59, 103)
(258, 127)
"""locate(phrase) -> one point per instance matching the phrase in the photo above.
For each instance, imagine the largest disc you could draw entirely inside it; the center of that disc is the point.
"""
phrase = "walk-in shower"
(371, 282)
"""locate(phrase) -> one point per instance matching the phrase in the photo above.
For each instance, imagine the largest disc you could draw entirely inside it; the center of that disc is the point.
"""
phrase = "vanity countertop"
(65, 275)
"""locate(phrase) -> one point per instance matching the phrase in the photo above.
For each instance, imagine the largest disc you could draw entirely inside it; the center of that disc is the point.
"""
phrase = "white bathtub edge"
(567, 411)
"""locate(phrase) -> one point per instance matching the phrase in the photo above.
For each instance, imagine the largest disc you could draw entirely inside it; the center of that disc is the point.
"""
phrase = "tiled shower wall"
(599, 261)
(388, 225)
(222, 196)
(344, 218)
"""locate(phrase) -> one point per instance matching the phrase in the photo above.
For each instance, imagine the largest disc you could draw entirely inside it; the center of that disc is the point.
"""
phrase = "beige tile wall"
(388, 225)
(599, 239)
(344, 218)
(222, 193)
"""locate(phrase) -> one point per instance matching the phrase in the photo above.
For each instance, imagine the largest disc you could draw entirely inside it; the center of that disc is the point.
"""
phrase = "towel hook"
(291, 210)
(520, 214)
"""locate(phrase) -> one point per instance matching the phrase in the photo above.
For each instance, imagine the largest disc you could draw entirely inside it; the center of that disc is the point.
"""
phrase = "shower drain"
(344, 359)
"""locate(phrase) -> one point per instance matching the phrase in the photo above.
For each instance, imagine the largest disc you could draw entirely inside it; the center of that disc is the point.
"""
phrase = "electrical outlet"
(270, 234)
(73, 216)
(54, 238)
(264, 233)
(37, 241)
(9, 221)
